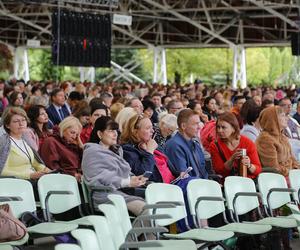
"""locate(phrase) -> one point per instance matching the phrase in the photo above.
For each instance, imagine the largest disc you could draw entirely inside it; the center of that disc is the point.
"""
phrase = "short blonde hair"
(9, 112)
(124, 116)
(115, 109)
(69, 122)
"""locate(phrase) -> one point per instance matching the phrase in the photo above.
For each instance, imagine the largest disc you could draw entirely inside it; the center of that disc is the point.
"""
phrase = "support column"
(21, 65)
(239, 67)
(160, 65)
(87, 74)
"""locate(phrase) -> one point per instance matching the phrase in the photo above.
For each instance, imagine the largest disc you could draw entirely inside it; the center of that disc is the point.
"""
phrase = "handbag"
(11, 228)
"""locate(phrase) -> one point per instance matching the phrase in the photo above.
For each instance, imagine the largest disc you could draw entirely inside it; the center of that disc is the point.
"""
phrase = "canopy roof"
(167, 23)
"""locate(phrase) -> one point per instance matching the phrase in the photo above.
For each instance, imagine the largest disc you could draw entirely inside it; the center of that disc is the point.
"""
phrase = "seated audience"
(226, 150)
(39, 123)
(183, 149)
(18, 157)
(124, 116)
(139, 147)
(97, 110)
(166, 127)
(251, 128)
(115, 109)
(272, 145)
(58, 110)
(16, 99)
(63, 150)
(148, 107)
(103, 165)
(210, 108)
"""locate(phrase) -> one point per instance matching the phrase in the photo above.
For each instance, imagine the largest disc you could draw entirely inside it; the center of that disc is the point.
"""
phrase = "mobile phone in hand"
(147, 174)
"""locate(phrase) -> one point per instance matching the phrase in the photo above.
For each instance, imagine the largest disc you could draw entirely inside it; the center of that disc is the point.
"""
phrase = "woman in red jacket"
(226, 150)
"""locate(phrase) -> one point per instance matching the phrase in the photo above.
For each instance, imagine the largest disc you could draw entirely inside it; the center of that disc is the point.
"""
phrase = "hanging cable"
(58, 41)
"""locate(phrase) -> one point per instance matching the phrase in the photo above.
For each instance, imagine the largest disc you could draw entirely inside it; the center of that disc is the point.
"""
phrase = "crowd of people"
(112, 134)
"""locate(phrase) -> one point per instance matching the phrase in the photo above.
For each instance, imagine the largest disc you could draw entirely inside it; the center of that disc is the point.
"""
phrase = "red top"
(218, 163)
(86, 134)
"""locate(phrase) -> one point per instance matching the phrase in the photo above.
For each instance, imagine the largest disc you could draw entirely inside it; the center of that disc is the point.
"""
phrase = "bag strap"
(220, 151)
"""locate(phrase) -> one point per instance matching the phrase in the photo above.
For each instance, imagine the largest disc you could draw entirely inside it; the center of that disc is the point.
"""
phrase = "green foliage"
(41, 66)
(264, 65)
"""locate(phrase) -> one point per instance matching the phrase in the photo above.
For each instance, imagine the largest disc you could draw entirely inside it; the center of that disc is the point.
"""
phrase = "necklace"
(26, 152)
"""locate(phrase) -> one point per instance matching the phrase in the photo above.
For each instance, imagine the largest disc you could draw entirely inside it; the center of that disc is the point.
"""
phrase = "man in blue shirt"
(183, 149)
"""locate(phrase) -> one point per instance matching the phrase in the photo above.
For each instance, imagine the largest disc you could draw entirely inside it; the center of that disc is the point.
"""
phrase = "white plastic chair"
(294, 177)
(59, 193)
(206, 200)
(23, 189)
(114, 222)
(87, 239)
(67, 247)
(241, 197)
(161, 193)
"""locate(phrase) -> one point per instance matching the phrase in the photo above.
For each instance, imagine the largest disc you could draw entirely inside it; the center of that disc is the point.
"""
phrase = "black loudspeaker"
(295, 43)
(81, 39)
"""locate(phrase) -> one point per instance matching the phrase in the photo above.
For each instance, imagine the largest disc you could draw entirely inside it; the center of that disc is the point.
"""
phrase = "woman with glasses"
(18, 157)
(103, 165)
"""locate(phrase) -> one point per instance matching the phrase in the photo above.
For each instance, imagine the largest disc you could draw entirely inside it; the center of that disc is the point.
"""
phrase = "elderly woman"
(272, 145)
(226, 151)
(63, 150)
(103, 165)
(18, 158)
(167, 125)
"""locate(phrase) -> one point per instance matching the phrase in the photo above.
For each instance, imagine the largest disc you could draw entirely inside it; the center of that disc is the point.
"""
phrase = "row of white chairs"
(205, 200)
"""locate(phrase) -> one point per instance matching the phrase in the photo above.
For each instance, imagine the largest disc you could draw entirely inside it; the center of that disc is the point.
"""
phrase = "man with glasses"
(174, 107)
(291, 131)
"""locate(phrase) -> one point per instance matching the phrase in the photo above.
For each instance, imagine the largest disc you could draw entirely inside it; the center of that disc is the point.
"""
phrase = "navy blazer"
(54, 116)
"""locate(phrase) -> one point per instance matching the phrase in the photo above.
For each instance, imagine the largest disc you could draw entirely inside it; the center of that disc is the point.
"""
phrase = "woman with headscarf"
(273, 146)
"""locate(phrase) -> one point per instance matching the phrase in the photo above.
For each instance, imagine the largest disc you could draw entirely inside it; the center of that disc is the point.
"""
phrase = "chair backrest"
(103, 233)
(67, 247)
(120, 204)
(22, 189)
(198, 188)
(87, 239)
(236, 184)
(266, 181)
(85, 191)
(161, 192)
(114, 223)
(294, 176)
(59, 203)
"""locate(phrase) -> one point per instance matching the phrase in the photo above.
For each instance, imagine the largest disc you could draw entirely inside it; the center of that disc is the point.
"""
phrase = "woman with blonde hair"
(140, 150)
(115, 109)
(63, 150)
(124, 116)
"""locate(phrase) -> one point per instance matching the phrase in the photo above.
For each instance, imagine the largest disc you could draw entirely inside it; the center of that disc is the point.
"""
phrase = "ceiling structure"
(166, 23)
